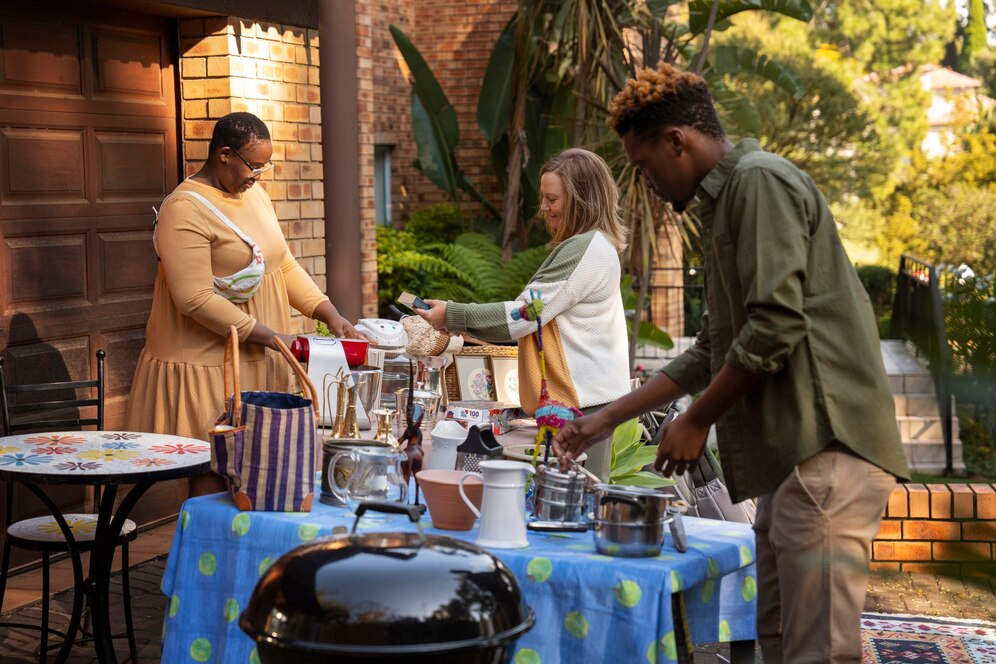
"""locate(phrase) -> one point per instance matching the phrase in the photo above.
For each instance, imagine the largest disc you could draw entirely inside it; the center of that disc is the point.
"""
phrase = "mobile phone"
(412, 301)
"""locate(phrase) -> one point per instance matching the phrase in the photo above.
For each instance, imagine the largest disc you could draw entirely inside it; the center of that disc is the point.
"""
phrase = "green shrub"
(970, 321)
(468, 269)
(397, 269)
(436, 223)
(630, 455)
(885, 325)
(880, 284)
(978, 448)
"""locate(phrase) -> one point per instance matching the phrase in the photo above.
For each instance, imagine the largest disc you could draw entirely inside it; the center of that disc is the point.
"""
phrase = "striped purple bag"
(266, 443)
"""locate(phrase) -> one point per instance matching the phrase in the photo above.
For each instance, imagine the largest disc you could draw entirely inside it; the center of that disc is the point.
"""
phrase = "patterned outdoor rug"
(899, 639)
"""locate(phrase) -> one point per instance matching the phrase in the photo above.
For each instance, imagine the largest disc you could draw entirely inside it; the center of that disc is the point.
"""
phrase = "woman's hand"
(288, 339)
(435, 315)
(345, 330)
(339, 326)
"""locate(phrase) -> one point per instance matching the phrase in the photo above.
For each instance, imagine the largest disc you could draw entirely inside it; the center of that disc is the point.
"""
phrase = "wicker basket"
(450, 381)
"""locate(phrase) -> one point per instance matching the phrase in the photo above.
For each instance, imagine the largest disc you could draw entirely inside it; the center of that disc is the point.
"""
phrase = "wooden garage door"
(88, 143)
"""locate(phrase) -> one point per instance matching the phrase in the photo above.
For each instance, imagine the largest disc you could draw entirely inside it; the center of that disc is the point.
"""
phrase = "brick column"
(230, 64)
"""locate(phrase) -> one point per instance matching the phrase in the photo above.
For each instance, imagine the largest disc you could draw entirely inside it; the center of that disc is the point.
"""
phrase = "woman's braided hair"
(666, 96)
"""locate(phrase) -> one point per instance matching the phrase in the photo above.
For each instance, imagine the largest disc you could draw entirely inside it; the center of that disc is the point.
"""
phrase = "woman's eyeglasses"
(253, 171)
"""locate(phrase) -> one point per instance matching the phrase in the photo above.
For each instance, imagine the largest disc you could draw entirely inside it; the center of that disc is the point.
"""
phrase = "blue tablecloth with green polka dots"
(589, 607)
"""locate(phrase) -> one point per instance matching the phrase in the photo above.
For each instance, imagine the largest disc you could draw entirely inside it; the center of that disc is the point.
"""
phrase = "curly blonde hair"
(591, 198)
(666, 96)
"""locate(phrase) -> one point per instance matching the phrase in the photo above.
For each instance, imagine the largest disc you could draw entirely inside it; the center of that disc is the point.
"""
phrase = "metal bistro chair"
(43, 533)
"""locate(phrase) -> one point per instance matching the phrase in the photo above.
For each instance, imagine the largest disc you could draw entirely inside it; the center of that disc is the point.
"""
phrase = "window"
(382, 183)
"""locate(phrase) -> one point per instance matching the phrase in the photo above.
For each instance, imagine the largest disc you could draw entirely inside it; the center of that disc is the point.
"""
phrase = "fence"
(918, 317)
(672, 285)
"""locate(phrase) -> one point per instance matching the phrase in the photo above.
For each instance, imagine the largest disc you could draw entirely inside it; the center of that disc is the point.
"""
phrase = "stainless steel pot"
(559, 497)
(622, 503)
(387, 596)
(629, 540)
(632, 521)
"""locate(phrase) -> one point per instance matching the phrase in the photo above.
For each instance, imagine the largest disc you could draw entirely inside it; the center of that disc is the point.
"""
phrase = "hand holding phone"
(412, 301)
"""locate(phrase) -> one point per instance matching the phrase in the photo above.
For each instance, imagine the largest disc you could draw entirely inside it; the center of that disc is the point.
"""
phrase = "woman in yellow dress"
(223, 261)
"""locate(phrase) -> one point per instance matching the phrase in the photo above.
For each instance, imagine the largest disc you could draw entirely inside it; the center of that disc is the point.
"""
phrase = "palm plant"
(590, 47)
(549, 82)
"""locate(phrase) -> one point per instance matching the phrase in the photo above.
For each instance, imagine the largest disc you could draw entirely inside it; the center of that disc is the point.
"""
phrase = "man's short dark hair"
(236, 130)
(662, 97)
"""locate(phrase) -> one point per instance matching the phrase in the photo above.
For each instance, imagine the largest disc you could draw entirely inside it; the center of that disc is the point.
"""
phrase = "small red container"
(355, 350)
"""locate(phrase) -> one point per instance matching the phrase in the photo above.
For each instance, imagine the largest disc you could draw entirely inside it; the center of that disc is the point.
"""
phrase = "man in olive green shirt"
(788, 365)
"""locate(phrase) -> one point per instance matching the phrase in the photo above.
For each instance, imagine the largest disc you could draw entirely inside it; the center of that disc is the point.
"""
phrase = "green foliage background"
(435, 259)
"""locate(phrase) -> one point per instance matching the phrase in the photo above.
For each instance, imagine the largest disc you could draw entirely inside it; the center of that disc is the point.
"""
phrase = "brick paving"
(147, 607)
(889, 592)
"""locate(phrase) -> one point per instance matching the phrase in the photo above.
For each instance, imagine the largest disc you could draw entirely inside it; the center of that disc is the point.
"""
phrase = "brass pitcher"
(346, 426)
(382, 418)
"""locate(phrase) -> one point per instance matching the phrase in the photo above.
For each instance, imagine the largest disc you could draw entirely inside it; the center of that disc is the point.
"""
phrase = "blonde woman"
(584, 325)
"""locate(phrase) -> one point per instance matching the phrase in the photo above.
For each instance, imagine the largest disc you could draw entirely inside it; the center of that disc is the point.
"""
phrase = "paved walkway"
(919, 594)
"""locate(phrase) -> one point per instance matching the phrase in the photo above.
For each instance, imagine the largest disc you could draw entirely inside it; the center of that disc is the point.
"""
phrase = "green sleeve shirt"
(784, 302)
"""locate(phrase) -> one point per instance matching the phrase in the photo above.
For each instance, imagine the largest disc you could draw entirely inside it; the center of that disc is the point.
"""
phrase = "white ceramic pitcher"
(446, 437)
(503, 507)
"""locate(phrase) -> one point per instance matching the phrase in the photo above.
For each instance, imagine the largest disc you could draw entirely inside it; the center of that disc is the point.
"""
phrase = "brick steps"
(938, 528)
(917, 412)
(911, 404)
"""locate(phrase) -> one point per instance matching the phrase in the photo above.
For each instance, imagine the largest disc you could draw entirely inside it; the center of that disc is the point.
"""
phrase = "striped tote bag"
(266, 444)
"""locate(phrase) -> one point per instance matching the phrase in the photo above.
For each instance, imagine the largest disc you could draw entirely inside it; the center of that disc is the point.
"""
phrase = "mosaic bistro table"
(107, 459)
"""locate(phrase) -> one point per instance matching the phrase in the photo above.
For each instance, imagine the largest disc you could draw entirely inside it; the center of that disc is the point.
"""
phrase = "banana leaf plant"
(435, 127)
(630, 455)
(549, 82)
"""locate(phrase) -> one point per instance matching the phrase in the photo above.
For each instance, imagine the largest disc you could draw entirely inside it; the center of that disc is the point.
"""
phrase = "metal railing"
(687, 286)
(918, 316)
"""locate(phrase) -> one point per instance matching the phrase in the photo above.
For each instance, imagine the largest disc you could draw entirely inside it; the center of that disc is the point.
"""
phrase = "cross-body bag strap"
(221, 215)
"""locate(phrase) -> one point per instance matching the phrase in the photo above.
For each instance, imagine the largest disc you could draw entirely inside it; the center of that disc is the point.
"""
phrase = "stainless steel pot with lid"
(403, 596)
(559, 498)
(632, 521)
(619, 502)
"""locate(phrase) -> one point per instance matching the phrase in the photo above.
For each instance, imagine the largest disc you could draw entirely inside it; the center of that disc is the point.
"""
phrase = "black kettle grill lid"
(387, 593)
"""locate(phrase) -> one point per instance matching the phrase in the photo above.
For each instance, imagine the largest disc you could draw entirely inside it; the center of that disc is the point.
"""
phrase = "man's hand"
(680, 446)
(579, 435)
(435, 315)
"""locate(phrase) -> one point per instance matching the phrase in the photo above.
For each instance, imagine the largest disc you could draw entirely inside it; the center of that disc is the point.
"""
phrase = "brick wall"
(938, 528)
(456, 38)
(230, 64)
(384, 119)
(390, 117)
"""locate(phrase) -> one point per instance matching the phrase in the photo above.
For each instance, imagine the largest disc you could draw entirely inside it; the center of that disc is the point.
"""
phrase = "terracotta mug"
(441, 491)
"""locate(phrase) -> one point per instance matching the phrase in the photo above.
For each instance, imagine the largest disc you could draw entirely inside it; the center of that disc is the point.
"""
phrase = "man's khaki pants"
(814, 535)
